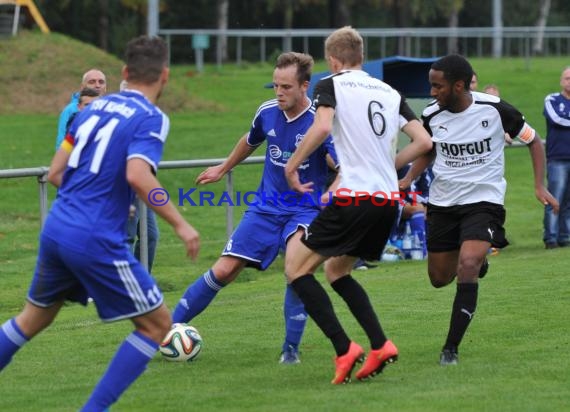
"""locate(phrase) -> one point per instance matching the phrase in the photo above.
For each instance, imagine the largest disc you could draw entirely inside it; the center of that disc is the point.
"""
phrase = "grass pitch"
(514, 357)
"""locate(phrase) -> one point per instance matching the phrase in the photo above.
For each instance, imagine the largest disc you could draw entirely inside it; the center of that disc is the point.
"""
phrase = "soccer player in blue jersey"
(110, 153)
(277, 215)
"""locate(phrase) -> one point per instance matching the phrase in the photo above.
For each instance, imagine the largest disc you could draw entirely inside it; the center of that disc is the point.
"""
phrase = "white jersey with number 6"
(368, 116)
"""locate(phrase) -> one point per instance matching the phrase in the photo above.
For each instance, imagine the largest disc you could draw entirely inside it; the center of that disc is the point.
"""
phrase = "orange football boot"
(377, 360)
(345, 363)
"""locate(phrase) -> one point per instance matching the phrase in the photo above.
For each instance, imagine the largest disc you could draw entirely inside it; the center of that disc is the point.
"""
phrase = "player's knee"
(227, 269)
(439, 280)
(469, 267)
(437, 283)
(226, 276)
(155, 325)
(336, 268)
(33, 319)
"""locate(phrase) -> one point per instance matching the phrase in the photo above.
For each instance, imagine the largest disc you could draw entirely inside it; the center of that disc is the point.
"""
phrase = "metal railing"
(380, 42)
(41, 174)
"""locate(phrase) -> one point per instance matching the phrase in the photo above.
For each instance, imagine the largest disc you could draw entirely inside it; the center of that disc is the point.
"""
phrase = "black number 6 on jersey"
(376, 118)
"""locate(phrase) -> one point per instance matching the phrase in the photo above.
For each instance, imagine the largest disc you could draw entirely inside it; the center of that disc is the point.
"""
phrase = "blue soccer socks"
(128, 364)
(295, 319)
(197, 298)
(11, 340)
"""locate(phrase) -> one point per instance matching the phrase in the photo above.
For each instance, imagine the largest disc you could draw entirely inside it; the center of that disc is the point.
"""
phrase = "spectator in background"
(86, 96)
(93, 79)
(557, 114)
(492, 89)
(474, 82)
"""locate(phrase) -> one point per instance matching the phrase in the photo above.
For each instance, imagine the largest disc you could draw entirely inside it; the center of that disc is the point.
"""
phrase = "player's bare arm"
(417, 168)
(141, 179)
(420, 143)
(240, 152)
(536, 149)
(57, 167)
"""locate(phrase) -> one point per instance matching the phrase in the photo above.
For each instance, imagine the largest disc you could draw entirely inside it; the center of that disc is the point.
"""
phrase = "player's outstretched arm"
(142, 180)
(240, 152)
(420, 143)
(536, 150)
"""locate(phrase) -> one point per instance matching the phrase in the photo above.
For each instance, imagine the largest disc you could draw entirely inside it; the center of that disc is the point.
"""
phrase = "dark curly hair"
(455, 68)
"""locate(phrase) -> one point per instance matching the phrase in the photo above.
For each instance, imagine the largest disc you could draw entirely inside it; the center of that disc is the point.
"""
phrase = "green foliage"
(428, 11)
(87, 20)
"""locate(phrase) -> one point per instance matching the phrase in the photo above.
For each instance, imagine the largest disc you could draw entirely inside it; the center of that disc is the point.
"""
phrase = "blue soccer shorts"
(259, 236)
(119, 285)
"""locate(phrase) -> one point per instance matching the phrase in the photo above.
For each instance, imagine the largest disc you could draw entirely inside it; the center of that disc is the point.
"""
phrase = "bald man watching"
(93, 79)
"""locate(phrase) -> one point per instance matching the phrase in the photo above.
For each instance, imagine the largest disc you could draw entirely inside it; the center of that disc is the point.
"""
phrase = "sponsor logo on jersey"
(463, 149)
(485, 123)
(275, 151)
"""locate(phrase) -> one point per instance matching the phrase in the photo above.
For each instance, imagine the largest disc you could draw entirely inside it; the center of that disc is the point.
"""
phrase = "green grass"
(515, 355)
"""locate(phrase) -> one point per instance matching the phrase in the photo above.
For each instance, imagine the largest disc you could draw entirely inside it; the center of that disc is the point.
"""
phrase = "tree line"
(108, 24)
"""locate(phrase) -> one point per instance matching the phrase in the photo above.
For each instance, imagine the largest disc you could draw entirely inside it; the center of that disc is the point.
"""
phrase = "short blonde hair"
(345, 45)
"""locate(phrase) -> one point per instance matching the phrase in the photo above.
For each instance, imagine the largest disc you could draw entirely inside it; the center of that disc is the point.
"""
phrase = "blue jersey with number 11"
(91, 210)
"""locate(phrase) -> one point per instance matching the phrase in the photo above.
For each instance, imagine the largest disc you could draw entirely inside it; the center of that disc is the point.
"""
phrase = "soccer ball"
(182, 343)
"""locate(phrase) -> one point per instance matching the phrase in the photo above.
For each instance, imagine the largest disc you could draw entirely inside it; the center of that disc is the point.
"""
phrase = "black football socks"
(319, 307)
(359, 304)
(463, 310)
